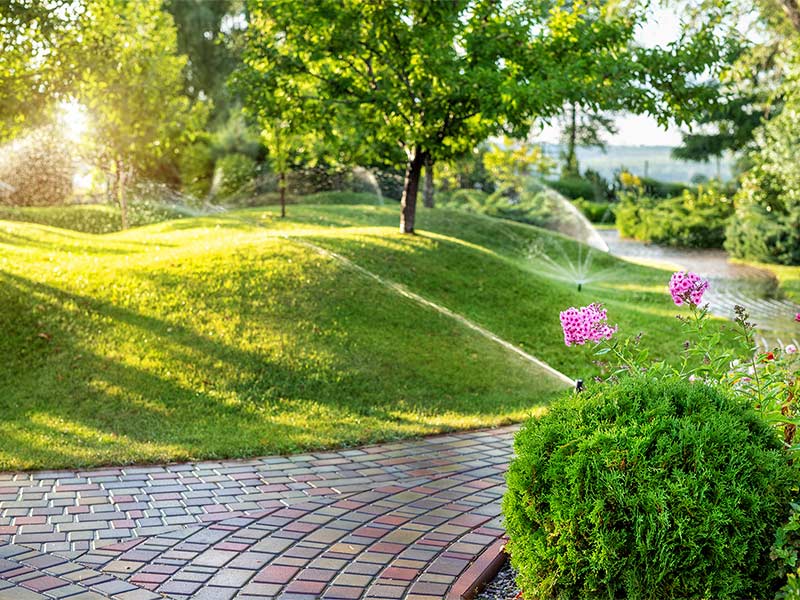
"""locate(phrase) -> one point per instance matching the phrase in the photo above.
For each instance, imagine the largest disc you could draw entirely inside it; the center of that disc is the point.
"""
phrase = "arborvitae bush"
(652, 488)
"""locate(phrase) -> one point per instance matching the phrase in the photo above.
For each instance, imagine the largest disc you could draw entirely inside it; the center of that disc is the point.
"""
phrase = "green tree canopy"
(435, 78)
(39, 42)
(207, 34)
(133, 90)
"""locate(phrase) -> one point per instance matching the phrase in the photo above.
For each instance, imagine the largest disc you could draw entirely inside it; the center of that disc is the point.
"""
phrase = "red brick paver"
(397, 520)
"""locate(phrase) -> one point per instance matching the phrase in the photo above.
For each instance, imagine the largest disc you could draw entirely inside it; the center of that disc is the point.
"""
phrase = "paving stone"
(385, 521)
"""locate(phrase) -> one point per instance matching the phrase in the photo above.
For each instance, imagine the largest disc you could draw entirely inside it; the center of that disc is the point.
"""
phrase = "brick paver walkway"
(401, 520)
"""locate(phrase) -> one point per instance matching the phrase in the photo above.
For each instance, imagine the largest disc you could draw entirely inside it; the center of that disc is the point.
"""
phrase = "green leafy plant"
(693, 219)
(656, 487)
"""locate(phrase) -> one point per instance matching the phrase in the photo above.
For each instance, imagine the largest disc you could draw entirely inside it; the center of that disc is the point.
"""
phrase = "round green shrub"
(651, 488)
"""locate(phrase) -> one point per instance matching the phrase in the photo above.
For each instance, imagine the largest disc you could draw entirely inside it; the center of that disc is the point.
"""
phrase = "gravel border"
(502, 587)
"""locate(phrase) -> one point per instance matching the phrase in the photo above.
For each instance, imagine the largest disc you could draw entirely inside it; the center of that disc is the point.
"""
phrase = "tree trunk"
(792, 11)
(119, 188)
(282, 190)
(572, 159)
(408, 204)
(427, 192)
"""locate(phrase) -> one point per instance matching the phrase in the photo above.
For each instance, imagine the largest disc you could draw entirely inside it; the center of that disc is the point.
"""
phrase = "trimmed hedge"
(573, 187)
(90, 218)
(651, 488)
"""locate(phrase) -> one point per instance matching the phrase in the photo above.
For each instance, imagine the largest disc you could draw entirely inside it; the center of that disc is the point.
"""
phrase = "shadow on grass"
(107, 384)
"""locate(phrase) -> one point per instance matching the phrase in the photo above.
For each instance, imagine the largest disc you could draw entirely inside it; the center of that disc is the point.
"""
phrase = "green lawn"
(220, 337)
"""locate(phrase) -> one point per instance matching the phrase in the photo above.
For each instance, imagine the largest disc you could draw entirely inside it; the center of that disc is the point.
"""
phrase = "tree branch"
(792, 11)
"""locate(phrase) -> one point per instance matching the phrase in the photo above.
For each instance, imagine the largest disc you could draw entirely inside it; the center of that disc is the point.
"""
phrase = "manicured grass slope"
(485, 269)
(219, 337)
(214, 338)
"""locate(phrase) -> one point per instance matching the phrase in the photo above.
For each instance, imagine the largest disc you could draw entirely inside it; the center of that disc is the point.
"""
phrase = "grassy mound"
(88, 218)
(219, 337)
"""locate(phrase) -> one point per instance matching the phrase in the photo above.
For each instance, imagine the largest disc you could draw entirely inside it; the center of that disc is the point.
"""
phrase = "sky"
(640, 130)
(634, 130)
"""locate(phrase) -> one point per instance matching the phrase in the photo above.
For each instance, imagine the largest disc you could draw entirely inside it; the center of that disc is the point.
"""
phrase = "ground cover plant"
(268, 346)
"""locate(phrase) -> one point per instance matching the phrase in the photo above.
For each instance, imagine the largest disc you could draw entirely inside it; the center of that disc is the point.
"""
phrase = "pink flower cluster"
(586, 324)
(797, 317)
(686, 286)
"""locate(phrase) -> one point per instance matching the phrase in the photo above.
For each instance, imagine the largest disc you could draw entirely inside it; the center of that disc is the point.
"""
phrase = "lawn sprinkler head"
(580, 286)
(579, 386)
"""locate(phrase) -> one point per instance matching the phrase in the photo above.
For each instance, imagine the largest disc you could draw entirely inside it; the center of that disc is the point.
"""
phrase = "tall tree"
(726, 126)
(435, 77)
(134, 91)
(207, 33)
(585, 129)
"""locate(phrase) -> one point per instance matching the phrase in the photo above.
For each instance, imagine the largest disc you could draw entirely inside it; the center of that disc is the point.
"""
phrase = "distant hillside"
(653, 161)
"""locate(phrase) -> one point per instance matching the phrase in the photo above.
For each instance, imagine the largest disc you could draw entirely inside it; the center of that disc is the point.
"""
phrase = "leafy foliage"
(510, 165)
(767, 223)
(134, 92)
(432, 78)
(652, 488)
(207, 36)
(694, 220)
(233, 172)
(39, 59)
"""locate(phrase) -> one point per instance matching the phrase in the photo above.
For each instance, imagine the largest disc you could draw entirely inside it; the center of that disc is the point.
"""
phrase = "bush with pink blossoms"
(768, 381)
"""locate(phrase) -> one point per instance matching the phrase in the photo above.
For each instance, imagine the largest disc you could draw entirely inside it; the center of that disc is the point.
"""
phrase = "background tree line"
(204, 96)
